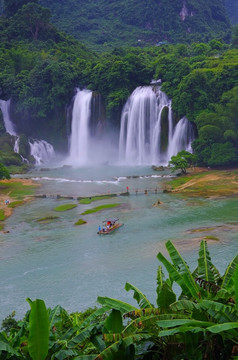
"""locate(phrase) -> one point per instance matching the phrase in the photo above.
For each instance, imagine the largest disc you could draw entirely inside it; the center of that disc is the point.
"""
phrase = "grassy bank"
(18, 192)
(206, 183)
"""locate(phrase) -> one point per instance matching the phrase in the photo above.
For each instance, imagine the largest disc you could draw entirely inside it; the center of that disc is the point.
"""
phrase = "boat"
(109, 225)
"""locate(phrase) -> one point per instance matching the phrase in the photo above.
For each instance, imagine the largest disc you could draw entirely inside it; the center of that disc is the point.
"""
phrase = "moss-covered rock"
(80, 222)
(164, 129)
(24, 147)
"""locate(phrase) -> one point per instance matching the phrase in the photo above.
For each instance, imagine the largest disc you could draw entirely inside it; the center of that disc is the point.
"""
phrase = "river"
(72, 265)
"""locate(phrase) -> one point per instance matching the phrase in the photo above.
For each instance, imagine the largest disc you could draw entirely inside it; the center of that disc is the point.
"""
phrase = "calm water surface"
(72, 265)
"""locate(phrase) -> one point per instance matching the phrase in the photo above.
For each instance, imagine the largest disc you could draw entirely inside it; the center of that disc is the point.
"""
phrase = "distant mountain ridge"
(232, 9)
(114, 23)
(105, 24)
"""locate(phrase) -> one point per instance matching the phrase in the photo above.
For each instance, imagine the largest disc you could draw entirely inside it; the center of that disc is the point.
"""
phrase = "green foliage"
(14, 204)
(65, 207)
(104, 24)
(4, 173)
(38, 340)
(99, 208)
(80, 222)
(12, 6)
(91, 199)
(182, 161)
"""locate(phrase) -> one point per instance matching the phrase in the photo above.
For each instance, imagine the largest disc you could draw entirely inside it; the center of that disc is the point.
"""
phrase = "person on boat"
(99, 228)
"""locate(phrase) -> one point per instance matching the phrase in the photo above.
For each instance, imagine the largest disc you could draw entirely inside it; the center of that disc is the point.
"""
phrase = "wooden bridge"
(136, 191)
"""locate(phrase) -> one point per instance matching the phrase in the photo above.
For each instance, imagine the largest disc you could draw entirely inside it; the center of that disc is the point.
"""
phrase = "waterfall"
(41, 150)
(80, 128)
(182, 138)
(9, 126)
(148, 134)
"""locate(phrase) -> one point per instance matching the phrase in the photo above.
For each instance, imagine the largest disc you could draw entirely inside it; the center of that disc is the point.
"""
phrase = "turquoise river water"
(72, 265)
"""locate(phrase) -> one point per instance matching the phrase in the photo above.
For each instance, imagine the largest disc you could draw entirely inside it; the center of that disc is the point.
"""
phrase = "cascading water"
(41, 150)
(5, 107)
(182, 139)
(80, 128)
(147, 134)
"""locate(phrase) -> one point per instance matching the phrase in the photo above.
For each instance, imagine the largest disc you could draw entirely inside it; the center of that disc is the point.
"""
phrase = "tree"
(4, 173)
(182, 161)
(12, 6)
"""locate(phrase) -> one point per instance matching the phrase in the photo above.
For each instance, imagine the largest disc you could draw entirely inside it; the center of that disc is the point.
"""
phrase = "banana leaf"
(173, 273)
(85, 334)
(222, 313)
(110, 351)
(6, 346)
(188, 285)
(148, 323)
(204, 263)
(113, 323)
(236, 286)
(184, 270)
(177, 322)
(86, 357)
(165, 297)
(64, 354)
(218, 328)
(179, 330)
(94, 315)
(184, 305)
(38, 340)
(229, 273)
(160, 278)
(141, 299)
(116, 304)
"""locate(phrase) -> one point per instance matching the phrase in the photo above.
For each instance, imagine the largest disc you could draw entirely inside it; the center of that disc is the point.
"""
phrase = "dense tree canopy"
(40, 68)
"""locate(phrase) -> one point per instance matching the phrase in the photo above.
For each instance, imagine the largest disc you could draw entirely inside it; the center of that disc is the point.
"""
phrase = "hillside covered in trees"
(41, 66)
(104, 24)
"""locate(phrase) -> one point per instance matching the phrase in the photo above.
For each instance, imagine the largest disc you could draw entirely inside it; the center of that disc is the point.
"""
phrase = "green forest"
(41, 66)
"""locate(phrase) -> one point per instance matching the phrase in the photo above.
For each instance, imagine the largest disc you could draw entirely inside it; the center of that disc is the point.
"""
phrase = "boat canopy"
(111, 220)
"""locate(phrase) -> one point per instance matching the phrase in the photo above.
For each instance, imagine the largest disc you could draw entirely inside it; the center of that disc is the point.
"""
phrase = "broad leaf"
(141, 299)
(116, 304)
(204, 263)
(226, 282)
(165, 297)
(216, 329)
(173, 273)
(113, 323)
(184, 305)
(178, 322)
(110, 351)
(236, 286)
(160, 278)
(183, 269)
(38, 340)
(5, 346)
(94, 315)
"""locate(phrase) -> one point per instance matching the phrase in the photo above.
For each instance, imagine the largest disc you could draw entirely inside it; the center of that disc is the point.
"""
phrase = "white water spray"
(140, 140)
(80, 128)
